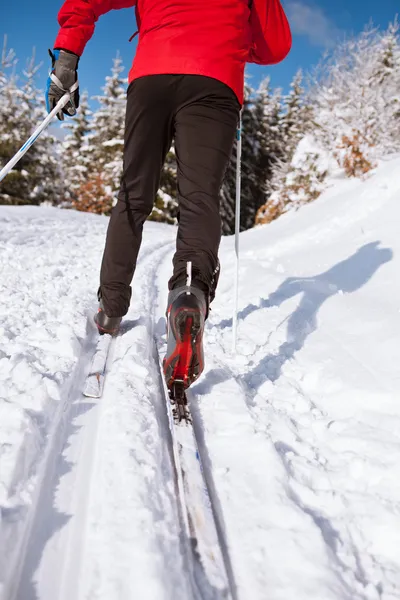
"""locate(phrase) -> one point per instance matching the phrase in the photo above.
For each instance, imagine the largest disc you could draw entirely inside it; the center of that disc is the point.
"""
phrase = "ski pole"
(237, 229)
(11, 163)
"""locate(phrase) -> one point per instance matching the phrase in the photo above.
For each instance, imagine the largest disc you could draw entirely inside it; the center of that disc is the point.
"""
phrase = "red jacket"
(214, 38)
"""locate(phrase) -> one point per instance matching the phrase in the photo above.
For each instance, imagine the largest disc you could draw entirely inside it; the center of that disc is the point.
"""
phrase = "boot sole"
(185, 364)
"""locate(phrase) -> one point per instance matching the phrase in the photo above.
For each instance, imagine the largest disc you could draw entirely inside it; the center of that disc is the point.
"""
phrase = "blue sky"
(316, 26)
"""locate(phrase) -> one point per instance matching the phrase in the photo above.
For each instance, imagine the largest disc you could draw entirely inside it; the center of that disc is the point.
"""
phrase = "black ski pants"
(201, 115)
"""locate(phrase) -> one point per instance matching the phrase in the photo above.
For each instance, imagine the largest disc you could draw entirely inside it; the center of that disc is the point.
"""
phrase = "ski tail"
(206, 559)
(94, 383)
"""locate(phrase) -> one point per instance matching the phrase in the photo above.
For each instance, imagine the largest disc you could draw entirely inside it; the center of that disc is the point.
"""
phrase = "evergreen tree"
(387, 56)
(386, 78)
(357, 99)
(289, 121)
(14, 187)
(7, 93)
(251, 185)
(296, 117)
(166, 205)
(104, 149)
(75, 157)
(270, 135)
(36, 178)
(228, 195)
(8, 60)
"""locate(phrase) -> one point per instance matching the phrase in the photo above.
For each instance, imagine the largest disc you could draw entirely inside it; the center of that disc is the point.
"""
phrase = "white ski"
(208, 567)
(94, 383)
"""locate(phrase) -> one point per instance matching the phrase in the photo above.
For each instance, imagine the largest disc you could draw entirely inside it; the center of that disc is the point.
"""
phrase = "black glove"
(63, 78)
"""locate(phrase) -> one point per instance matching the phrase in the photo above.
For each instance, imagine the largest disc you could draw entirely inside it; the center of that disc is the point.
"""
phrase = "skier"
(186, 83)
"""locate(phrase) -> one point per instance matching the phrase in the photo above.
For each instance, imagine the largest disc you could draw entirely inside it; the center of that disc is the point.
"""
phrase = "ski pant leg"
(205, 125)
(148, 137)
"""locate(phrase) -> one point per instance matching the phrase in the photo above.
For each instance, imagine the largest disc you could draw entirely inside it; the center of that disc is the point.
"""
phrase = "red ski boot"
(186, 314)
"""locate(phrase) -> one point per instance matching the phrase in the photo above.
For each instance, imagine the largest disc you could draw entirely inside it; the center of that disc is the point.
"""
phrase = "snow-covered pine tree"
(352, 115)
(166, 205)
(387, 56)
(296, 117)
(228, 196)
(357, 99)
(252, 183)
(7, 87)
(75, 159)
(271, 135)
(10, 136)
(36, 178)
(288, 181)
(386, 79)
(104, 149)
(7, 61)
(46, 174)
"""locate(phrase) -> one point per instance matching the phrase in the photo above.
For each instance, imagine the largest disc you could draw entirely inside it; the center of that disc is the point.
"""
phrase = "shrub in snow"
(352, 155)
(93, 196)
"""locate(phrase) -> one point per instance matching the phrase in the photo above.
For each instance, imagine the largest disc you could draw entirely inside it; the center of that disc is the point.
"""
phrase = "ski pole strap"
(58, 83)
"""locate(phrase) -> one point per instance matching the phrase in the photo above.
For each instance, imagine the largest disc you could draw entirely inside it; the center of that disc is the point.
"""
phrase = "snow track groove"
(201, 588)
(63, 532)
(42, 519)
(215, 503)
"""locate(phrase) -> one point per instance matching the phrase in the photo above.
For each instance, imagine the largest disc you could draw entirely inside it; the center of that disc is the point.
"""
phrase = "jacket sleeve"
(77, 20)
(270, 31)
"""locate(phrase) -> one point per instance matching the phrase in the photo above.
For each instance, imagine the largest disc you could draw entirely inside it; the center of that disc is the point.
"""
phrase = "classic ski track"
(29, 552)
(204, 458)
(43, 517)
(150, 262)
(214, 500)
(149, 441)
(47, 472)
(152, 292)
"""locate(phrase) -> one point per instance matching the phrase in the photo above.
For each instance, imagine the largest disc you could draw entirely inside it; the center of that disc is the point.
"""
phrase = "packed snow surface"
(300, 429)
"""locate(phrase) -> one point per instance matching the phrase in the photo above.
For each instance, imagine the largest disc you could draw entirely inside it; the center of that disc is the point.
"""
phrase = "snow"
(300, 431)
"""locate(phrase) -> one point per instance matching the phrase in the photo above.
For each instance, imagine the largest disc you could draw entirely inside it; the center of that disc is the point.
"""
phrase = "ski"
(94, 383)
(209, 573)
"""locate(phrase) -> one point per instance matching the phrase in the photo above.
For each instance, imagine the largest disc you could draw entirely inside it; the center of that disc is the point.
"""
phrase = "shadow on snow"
(345, 277)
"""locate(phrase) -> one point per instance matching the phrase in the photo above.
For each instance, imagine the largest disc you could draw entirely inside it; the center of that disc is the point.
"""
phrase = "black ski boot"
(186, 314)
(106, 324)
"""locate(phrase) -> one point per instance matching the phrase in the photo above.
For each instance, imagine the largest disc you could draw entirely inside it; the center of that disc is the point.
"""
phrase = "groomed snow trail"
(299, 433)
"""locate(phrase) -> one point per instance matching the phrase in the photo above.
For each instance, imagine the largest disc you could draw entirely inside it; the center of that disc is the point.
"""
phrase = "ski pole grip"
(11, 163)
